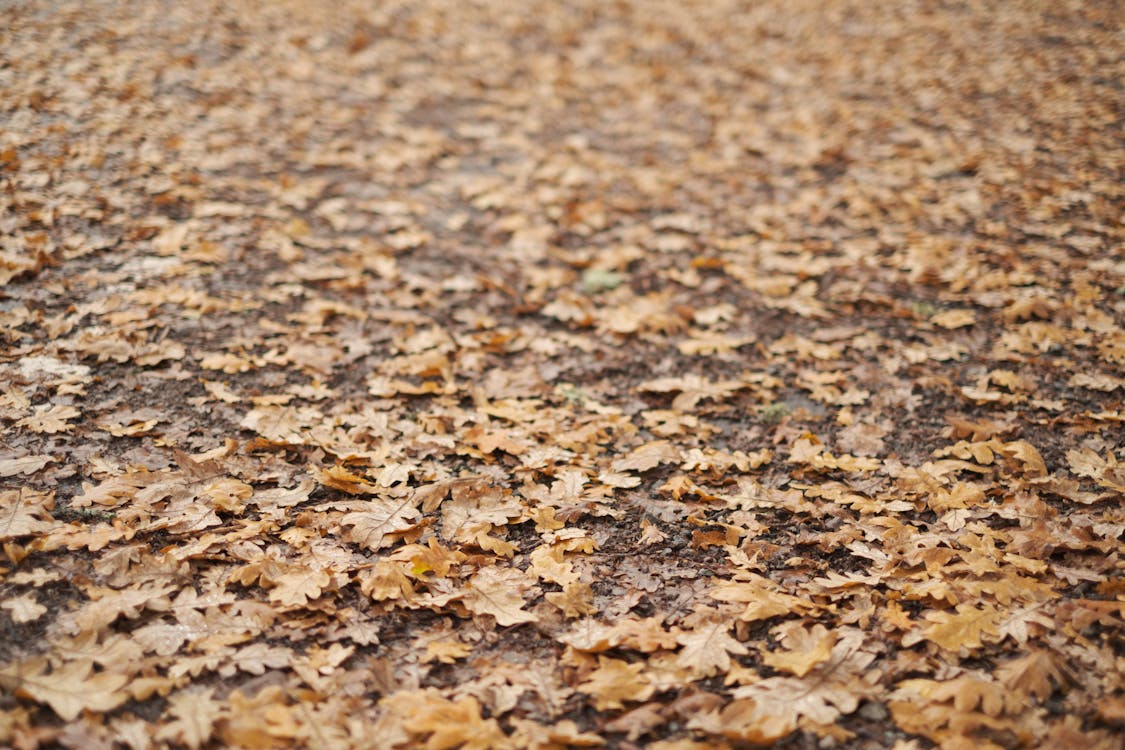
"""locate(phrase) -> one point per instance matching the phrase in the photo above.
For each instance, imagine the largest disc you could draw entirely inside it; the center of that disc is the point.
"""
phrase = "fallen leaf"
(68, 689)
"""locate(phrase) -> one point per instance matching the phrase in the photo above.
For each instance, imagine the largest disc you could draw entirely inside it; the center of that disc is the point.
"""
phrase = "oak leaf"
(25, 512)
(1032, 674)
(380, 518)
(499, 592)
(762, 599)
(426, 720)
(298, 586)
(692, 389)
(50, 419)
(965, 693)
(745, 720)
(805, 649)
(1107, 472)
(648, 456)
(965, 628)
(23, 609)
(10, 466)
(707, 648)
(193, 715)
(822, 701)
(954, 318)
(616, 682)
(446, 651)
(276, 423)
(1027, 455)
(109, 604)
(548, 564)
(575, 600)
(339, 478)
(566, 733)
(591, 636)
(69, 689)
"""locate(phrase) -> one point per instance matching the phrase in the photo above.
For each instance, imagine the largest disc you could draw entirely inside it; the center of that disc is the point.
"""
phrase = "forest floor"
(441, 374)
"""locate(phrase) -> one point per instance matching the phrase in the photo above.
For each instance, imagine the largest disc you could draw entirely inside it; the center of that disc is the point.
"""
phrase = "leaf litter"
(670, 375)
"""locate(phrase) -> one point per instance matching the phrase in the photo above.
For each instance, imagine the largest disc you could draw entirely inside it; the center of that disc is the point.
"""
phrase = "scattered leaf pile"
(546, 375)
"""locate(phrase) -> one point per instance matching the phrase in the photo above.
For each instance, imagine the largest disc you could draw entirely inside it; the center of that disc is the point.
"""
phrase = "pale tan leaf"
(804, 649)
(193, 715)
(24, 608)
(50, 419)
(381, 517)
(615, 683)
(499, 592)
(25, 512)
(10, 466)
(648, 456)
(69, 689)
(707, 649)
(296, 587)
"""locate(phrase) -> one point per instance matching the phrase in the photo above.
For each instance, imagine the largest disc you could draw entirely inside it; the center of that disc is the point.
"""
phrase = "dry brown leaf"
(11, 466)
(648, 456)
(25, 512)
(372, 526)
(499, 592)
(965, 629)
(804, 649)
(193, 713)
(24, 608)
(68, 689)
(707, 648)
(615, 683)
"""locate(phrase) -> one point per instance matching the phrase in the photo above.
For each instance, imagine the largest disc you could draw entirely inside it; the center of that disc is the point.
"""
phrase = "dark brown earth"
(494, 375)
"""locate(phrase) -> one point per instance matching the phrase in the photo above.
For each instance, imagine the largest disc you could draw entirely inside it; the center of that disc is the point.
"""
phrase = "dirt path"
(543, 375)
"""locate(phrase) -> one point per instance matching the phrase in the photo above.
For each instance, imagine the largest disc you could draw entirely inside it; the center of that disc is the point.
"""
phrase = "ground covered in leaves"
(543, 375)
